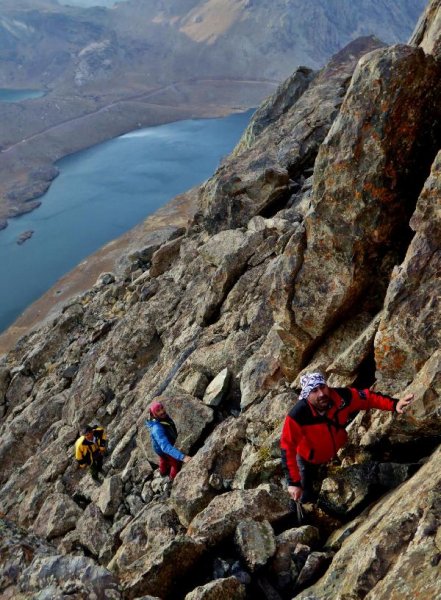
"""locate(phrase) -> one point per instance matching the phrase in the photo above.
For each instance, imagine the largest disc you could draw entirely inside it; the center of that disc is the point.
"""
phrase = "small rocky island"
(24, 236)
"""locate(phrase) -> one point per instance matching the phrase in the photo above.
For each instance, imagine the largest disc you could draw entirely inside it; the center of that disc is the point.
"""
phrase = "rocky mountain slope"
(315, 246)
(145, 62)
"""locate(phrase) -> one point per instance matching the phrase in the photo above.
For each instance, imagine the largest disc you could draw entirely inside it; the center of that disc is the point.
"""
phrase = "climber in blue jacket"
(163, 434)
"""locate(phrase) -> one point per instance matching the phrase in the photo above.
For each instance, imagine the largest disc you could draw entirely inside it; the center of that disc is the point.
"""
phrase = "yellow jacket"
(85, 451)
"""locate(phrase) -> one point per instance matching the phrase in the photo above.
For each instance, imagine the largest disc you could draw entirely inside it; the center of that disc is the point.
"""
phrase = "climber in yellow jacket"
(90, 449)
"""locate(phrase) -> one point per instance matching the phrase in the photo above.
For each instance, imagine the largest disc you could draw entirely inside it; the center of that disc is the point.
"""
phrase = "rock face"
(218, 459)
(399, 534)
(58, 515)
(32, 567)
(369, 149)
(413, 291)
(426, 34)
(315, 246)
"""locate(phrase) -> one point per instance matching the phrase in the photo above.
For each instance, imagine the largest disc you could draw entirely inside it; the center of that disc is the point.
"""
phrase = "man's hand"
(295, 492)
(403, 404)
(186, 459)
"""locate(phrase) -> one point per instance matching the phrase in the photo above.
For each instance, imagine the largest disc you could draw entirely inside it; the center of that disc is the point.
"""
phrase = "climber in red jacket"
(314, 430)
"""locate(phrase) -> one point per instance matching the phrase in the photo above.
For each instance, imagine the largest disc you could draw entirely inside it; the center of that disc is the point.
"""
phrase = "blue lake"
(17, 95)
(103, 192)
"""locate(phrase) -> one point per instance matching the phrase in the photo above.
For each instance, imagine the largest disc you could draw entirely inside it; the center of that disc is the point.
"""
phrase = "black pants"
(311, 477)
(97, 465)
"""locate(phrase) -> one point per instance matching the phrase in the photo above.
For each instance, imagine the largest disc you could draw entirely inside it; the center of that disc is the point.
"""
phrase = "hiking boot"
(95, 474)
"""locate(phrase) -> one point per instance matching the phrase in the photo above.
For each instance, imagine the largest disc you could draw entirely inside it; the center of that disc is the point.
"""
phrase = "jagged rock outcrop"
(394, 552)
(256, 542)
(58, 515)
(293, 547)
(351, 226)
(410, 324)
(302, 256)
(265, 177)
(426, 34)
(218, 460)
(275, 106)
(160, 572)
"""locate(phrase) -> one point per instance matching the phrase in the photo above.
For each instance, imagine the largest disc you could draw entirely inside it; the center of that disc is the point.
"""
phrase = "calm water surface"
(17, 95)
(102, 193)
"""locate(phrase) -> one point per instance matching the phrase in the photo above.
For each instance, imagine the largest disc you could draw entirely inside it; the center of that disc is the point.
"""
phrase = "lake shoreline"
(28, 166)
(155, 229)
(177, 213)
(36, 188)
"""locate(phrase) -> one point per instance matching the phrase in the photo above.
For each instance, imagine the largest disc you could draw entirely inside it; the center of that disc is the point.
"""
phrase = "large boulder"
(158, 573)
(220, 589)
(256, 542)
(221, 517)
(58, 576)
(217, 389)
(58, 515)
(218, 458)
(93, 533)
(110, 496)
(153, 528)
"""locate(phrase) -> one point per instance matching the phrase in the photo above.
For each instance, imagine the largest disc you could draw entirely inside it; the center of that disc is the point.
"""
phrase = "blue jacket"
(163, 434)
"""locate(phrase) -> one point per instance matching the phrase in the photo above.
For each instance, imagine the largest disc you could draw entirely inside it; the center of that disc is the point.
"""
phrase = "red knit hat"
(155, 406)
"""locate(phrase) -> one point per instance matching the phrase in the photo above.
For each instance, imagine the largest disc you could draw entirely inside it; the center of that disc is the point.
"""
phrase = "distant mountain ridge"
(218, 38)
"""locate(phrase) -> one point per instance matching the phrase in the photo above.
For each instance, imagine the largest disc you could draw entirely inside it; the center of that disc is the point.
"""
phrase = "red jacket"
(317, 438)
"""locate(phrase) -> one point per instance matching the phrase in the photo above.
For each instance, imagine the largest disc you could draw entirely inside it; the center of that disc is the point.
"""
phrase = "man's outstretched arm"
(367, 399)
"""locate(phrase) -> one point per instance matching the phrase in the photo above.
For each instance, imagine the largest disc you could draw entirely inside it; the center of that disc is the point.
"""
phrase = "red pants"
(169, 466)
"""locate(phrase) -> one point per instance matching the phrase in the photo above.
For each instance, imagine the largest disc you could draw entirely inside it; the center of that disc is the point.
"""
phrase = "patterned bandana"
(309, 382)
